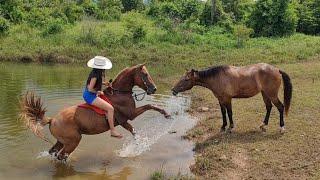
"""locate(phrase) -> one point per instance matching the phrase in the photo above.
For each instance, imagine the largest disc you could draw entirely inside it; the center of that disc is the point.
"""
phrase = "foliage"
(110, 9)
(242, 34)
(274, 18)
(129, 5)
(4, 25)
(239, 10)
(53, 27)
(221, 17)
(309, 17)
(12, 10)
(136, 30)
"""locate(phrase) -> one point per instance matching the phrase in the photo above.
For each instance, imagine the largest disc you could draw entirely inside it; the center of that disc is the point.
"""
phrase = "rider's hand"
(106, 83)
(100, 93)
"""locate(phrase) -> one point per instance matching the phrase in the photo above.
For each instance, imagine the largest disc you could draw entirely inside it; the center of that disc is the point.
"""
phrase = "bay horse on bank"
(70, 123)
(227, 82)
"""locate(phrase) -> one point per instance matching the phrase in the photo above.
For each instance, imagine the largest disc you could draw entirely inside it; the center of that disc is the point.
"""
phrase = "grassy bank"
(247, 153)
(77, 43)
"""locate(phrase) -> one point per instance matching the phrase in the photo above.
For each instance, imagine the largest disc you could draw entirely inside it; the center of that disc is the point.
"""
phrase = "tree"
(273, 18)
(309, 17)
(129, 5)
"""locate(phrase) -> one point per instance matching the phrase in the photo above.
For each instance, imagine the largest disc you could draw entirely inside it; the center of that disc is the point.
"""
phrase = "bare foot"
(115, 134)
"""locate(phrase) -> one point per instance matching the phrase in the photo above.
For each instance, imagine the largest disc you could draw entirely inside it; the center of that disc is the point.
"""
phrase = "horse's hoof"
(229, 130)
(263, 128)
(222, 130)
(167, 116)
(282, 130)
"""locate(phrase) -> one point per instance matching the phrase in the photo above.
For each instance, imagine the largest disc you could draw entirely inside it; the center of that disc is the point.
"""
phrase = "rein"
(134, 94)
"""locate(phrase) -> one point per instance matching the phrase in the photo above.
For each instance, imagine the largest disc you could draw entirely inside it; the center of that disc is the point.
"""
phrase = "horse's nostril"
(154, 89)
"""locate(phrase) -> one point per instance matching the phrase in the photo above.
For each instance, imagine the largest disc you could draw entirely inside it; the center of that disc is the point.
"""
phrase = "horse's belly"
(90, 122)
(247, 91)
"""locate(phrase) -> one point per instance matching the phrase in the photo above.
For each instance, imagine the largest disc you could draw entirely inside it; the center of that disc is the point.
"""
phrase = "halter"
(144, 79)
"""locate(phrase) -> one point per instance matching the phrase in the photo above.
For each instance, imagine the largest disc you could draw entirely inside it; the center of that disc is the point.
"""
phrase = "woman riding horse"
(94, 88)
(227, 82)
(70, 123)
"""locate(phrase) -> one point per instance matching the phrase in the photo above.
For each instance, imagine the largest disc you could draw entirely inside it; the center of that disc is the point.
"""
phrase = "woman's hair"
(99, 72)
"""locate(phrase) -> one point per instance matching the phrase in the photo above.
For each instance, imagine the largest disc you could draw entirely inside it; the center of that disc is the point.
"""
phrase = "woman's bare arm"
(91, 85)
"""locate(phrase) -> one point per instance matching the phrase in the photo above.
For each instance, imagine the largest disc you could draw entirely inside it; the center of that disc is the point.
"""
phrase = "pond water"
(22, 155)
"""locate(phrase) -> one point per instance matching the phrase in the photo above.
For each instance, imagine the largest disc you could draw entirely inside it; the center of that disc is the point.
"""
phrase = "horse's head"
(186, 82)
(143, 79)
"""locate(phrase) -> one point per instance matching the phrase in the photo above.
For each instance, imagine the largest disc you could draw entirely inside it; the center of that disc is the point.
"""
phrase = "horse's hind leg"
(56, 148)
(68, 148)
(280, 108)
(268, 104)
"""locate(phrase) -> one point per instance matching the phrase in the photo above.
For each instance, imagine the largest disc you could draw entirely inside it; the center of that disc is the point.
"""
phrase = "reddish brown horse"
(68, 126)
(227, 82)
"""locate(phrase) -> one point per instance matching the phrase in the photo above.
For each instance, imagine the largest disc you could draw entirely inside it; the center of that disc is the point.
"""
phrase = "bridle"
(144, 79)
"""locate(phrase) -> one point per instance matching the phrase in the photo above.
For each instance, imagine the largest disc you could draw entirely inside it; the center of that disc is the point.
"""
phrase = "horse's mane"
(212, 71)
(119, 75)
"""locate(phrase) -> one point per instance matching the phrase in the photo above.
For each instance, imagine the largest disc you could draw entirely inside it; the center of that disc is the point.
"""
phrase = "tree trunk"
(213, 11)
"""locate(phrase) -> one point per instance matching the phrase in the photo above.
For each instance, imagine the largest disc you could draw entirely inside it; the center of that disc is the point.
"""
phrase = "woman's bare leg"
(107, 107)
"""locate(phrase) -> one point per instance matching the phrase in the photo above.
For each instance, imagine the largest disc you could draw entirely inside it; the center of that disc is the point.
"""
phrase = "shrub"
(220, 16)
(12, 10)
(274, 18)
(110, 9)
(53, 27)
(4, 25)
(129, 5)
(309, 17)
(242, 34)
(90, 8)
(72, 12)
(135, 26)
(38, 17)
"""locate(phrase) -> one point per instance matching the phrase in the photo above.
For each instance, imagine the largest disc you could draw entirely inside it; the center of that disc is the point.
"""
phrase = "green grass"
(171, 52)
(248, 153)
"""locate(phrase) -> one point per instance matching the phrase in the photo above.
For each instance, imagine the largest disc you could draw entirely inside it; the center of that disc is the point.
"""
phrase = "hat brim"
(108, 64)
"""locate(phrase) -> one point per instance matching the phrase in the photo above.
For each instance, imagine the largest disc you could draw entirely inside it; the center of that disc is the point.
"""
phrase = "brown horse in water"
(68, 126)
(227, 82)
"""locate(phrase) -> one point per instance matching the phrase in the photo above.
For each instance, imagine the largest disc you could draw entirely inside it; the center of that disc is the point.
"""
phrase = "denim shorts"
(88, 96)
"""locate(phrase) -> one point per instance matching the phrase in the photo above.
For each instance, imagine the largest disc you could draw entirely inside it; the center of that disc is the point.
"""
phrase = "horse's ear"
(141, 65)
(194, 73)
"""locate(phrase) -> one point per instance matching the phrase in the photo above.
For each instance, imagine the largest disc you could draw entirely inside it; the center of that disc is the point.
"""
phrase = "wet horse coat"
(70, 123)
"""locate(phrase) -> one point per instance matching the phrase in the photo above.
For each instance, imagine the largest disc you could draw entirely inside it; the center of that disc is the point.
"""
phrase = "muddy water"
(22, 155)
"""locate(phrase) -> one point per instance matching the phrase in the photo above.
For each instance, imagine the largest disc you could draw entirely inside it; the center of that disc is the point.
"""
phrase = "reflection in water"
(61, 86)
(63, 170)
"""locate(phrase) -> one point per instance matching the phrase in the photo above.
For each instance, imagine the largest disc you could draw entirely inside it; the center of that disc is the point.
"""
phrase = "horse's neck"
(124, 81)
(204, 82)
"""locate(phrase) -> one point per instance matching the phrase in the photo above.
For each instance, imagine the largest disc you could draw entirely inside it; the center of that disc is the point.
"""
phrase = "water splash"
(156, 126)
(44, 154)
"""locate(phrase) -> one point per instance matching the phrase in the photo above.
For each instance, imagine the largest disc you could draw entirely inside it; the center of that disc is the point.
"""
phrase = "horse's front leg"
(129, 128)
(147, 107)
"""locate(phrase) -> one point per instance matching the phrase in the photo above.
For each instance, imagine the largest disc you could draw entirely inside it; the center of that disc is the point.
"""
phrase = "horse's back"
(248, 81)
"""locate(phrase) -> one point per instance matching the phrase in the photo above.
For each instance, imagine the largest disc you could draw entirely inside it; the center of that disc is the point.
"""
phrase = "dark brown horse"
(68, 126)
(227, 82)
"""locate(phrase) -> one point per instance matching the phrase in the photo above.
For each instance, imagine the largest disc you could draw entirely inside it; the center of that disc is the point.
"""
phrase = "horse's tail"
(32, 113)
(287, 91)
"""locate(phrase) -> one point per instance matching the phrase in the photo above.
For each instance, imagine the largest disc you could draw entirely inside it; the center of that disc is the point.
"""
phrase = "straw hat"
(100, 62)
